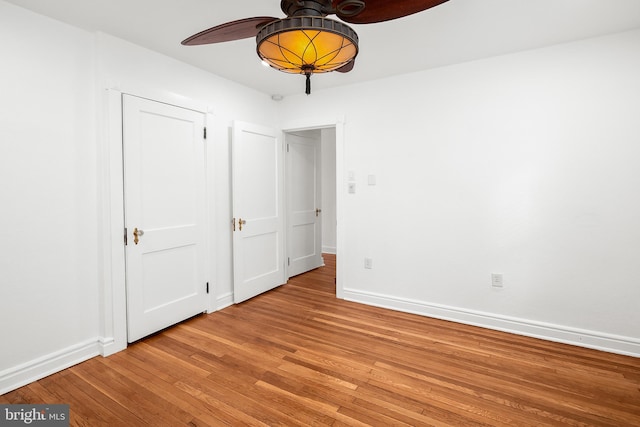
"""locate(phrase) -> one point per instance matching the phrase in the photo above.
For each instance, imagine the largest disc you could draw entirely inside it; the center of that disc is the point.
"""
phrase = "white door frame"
(297, 125)
(113, 313)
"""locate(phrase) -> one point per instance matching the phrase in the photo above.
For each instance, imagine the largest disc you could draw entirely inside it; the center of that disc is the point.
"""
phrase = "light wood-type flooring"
(297, 356)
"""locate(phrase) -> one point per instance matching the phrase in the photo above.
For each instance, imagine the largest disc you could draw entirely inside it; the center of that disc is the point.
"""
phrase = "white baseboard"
(13, 378)
(329, 250)
(583, 338)
(224, 301)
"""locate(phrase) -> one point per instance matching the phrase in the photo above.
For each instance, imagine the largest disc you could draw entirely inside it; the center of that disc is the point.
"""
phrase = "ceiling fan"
(306, 42)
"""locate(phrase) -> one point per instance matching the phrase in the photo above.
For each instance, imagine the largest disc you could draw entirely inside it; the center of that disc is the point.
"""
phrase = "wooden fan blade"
(234, 30)
(383, 10)
(346, 67)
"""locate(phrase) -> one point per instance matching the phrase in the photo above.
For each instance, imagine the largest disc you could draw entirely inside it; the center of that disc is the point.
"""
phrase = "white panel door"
(164, 174)
(258, 238)
(304, 229)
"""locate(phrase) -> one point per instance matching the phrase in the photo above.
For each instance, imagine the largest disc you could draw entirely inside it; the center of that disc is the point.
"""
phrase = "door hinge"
(287, 148)
(205, 133)
(207, 287)
(288, 261)
(125, 236)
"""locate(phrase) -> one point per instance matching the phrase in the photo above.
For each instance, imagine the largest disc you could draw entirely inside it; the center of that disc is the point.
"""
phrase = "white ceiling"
(454, 32)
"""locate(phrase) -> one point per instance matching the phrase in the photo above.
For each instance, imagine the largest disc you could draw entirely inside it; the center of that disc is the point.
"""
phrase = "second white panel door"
(258, 217)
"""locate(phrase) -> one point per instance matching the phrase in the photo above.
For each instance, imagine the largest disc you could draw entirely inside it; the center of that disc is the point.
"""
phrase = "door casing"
(112, 265)
(295, 124)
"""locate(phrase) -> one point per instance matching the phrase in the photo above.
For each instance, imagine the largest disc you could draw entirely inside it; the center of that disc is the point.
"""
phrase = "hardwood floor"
(297, 356)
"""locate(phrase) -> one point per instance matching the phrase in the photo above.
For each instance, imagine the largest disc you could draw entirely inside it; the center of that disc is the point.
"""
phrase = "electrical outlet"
(368, 263)
(497, 280)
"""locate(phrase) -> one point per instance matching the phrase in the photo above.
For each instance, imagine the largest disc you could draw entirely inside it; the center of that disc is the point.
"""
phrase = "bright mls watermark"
(34, 415)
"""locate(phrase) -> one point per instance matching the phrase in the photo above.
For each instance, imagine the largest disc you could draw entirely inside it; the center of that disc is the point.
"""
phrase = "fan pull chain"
(308, 91)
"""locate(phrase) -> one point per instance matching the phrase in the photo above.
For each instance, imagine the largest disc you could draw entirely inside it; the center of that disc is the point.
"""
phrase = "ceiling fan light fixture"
(307, 45)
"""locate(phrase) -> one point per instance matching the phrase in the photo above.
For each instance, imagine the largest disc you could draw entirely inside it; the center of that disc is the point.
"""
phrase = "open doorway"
(311, 198)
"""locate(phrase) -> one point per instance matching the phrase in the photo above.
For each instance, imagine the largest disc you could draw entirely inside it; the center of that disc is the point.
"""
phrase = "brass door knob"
(136, 234)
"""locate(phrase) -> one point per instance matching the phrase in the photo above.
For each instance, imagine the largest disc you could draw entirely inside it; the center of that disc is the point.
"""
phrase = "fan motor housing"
(306, 7)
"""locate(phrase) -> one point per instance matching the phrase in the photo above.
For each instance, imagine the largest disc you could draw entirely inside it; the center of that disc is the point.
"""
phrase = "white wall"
(48, 237)
(524, 165)
(54, 164)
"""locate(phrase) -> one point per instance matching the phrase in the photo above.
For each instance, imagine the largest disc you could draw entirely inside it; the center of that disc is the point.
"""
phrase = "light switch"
(371, 179)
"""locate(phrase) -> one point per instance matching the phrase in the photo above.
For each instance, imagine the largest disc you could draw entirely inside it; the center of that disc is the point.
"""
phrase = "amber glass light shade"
(307, 44)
